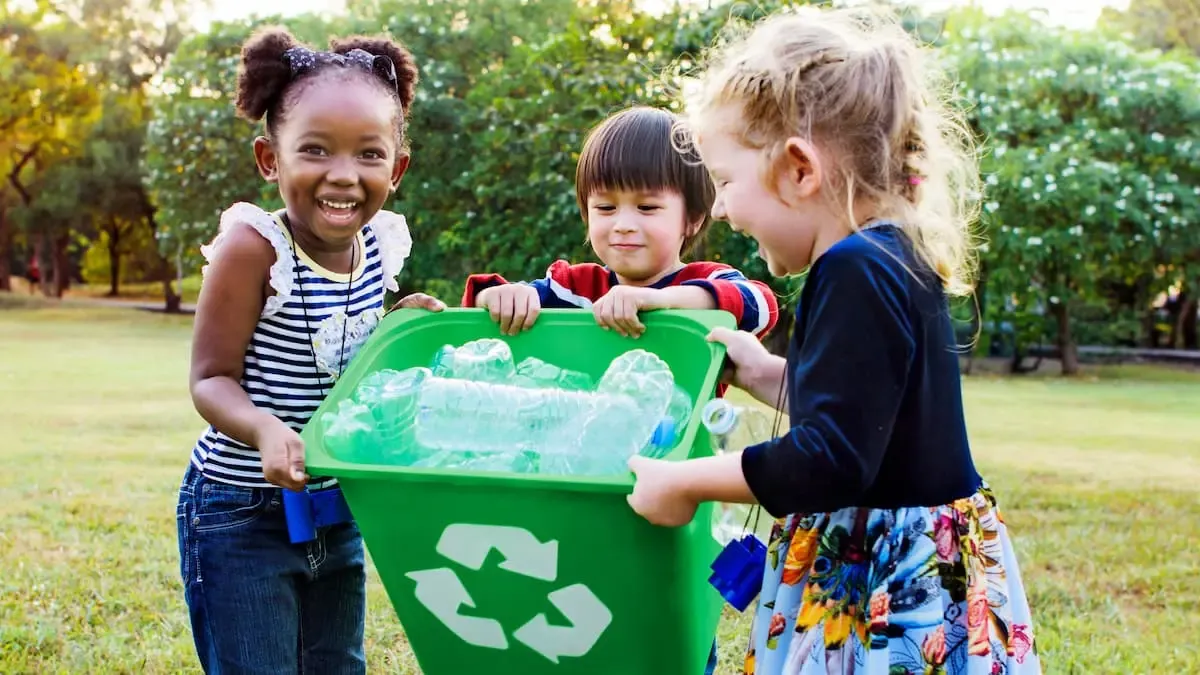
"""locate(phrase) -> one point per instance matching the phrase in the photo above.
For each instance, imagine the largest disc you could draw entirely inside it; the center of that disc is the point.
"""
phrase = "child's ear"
(266, 159)
(801, 174)
(398, 168)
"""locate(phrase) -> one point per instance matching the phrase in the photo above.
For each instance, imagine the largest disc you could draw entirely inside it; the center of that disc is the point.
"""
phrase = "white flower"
(1157, 137)
(1026, 183)
(1090, 210)
(991, 207)
(1033, 241)
(1120, 204)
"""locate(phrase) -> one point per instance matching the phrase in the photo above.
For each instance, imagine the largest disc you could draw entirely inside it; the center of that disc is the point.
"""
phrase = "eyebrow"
(321, 135)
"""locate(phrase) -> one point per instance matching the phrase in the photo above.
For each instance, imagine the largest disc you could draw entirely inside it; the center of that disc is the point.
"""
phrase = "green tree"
(1091, 172)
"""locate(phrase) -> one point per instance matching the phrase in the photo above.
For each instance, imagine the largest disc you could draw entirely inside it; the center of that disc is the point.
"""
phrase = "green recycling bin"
(536, 574)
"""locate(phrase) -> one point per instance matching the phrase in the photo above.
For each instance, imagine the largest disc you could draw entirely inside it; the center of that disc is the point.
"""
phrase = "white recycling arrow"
(588, 616)
(442, 594)
(468, 545)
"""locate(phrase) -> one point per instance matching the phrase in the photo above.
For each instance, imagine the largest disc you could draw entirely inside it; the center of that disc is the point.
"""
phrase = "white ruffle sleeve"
(283, 271)
(395, 243)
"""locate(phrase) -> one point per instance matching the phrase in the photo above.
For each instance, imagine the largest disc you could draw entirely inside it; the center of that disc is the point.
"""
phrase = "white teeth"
(338, 205)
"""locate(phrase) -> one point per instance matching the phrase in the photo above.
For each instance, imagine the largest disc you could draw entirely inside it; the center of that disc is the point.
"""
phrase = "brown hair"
(267, 87)
(858, 86)
(633, 150)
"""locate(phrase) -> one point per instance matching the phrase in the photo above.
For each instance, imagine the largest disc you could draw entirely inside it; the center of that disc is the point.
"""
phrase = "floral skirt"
(909, 591)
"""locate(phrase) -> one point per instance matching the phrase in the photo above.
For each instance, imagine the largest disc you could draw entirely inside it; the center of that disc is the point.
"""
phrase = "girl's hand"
(419, 301)
(514, 306)
(282, 453)
(618, 309)
(659, 492)
(750, 359)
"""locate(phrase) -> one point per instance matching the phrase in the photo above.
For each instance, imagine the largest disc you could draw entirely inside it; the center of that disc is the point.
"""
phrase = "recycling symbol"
(443, 594)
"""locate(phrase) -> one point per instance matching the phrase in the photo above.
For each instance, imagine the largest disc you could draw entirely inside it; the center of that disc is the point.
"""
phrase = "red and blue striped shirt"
(566, 286)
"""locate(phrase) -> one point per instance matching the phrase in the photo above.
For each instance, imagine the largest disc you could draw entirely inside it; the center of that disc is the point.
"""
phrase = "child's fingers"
(520, 311)
(636, 327)
(296, 463)
(506, 311)
(722, 335)
(532, 315)
(603, 311)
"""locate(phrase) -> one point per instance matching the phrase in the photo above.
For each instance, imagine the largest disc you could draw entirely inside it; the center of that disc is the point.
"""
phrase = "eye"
(648, 208)
(374, 154)
(314, 150)
(604, 208)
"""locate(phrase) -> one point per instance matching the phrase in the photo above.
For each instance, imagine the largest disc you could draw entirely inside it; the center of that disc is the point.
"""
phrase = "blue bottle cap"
(664, 433)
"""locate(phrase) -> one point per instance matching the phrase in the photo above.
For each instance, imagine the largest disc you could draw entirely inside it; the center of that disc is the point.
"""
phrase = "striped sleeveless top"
(292, 359)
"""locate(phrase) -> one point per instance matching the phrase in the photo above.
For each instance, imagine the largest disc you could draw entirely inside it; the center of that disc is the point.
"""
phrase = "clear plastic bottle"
(483, 360)
(536, 373)
(733, 428)
(583, 431)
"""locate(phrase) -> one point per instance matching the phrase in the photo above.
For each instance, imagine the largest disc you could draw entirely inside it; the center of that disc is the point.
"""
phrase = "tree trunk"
(41, 245)
(1175, 312)
(114, 260)
(1066, 343)
(6, 239)
(172, 300)
(62, 265)
(1187, 323)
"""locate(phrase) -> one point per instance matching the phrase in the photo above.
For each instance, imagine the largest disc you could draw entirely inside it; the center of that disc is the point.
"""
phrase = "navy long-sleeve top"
(874, 394)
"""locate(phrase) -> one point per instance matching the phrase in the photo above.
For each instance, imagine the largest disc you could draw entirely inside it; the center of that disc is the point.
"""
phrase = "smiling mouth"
(338, 211)
(627, 247)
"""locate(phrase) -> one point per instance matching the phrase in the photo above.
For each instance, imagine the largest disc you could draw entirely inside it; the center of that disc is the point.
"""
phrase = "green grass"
(1097, 477)
(149, 291)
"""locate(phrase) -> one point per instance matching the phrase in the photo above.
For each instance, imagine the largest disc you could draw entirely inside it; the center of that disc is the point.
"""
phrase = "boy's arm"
(478, 283)
(752, 303)
(565, 286)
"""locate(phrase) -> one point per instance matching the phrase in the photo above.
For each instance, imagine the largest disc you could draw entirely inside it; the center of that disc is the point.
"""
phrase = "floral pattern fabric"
(909, 591)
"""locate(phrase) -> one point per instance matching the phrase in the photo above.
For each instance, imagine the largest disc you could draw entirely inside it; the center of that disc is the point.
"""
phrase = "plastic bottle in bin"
(604, 426)
(733, 428)
(484, 360)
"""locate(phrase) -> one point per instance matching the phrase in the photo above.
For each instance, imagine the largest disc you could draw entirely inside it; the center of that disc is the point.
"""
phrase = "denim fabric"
(257, 602)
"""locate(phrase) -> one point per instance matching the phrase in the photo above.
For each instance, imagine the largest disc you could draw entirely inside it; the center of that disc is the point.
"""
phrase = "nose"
(626, 221)
(718, 208)
(342, 171)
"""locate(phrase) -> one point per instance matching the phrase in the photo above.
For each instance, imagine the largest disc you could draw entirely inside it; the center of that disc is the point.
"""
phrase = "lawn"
(1097, 477)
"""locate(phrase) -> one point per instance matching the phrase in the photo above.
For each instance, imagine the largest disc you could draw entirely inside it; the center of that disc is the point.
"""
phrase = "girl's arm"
(845, 393)
(231, 300)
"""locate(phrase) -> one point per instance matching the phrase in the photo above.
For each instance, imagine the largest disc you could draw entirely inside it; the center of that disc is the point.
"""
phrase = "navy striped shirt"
(293, 356)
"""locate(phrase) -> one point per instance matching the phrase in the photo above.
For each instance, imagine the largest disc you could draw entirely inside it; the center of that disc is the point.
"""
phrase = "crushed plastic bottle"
(350, 432)
(732, 429)
(535, 373)
(484, 360)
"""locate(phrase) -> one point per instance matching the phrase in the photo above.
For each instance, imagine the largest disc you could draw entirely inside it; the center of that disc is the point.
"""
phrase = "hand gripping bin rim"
(398, 325)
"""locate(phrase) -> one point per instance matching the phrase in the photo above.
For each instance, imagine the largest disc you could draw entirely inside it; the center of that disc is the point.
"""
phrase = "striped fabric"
(284, 372)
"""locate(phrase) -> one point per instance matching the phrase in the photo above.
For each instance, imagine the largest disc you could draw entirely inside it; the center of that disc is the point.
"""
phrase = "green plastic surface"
(527, 573)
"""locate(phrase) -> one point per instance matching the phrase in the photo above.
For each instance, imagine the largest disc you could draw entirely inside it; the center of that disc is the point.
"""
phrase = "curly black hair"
(267, 88)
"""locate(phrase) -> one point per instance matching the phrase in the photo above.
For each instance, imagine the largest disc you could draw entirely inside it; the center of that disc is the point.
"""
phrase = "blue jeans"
(257, 602)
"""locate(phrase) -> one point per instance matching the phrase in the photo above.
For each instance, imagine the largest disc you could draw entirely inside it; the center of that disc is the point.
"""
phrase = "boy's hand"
(618, 309)
(514, 306)
(419, 301)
